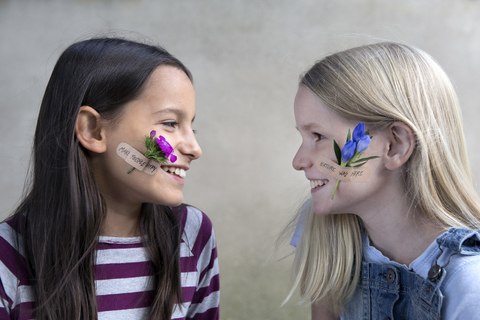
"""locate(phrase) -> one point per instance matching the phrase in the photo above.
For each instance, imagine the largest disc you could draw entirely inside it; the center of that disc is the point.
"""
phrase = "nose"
(190, 147)
(302, 160)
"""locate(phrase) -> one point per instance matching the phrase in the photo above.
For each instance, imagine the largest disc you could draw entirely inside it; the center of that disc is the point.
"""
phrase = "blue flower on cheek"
(358, 132)
(362, 143)
(349, 155)
(348, 151)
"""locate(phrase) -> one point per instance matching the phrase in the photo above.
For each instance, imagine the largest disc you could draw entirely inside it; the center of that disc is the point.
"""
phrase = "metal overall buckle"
(436, 271)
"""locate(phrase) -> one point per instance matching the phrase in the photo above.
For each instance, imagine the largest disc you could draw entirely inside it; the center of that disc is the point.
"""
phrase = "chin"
(321, 209)
(176, 204)
(321, 213)
(173, 202)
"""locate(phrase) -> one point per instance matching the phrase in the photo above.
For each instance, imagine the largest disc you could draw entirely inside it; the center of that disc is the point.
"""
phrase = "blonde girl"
(404, 244)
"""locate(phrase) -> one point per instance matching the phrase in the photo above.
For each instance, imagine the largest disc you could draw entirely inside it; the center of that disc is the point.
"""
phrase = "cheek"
(157, 188)
(327, 151)
(167, 191)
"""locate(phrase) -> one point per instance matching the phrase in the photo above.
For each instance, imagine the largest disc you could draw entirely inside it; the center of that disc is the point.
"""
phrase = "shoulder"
(8, 230)
(197, 228)
(10, 241)
(193, 219)
(459, 255)
(13, 268)
(461, 287)
(199, 247)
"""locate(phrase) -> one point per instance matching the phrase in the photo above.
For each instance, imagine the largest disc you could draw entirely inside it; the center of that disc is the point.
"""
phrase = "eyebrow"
(309, 126)
(180, 113)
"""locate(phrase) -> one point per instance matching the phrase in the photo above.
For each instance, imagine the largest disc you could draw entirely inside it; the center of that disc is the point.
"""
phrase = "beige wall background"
(246, 57)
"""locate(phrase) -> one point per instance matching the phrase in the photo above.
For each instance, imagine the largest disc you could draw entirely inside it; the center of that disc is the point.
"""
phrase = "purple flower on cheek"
(165, 146)
(158, 149)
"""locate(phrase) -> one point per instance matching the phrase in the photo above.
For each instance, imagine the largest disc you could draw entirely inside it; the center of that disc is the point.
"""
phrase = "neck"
(400, 231)
(122, 221)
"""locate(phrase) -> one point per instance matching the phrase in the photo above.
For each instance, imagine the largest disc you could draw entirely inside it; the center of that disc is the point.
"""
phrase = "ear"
(90, 131)
(401, 145)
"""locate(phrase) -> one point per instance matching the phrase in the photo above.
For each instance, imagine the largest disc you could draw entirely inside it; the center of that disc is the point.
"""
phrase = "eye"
(318, 136)
(171, 124)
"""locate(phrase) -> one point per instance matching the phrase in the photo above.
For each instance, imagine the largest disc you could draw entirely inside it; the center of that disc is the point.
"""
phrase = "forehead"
(169, 81)
(168, 89)
(310, 111)
(168, 94)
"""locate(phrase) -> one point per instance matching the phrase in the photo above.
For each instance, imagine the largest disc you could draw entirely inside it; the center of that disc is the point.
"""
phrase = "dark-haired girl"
(98, 237)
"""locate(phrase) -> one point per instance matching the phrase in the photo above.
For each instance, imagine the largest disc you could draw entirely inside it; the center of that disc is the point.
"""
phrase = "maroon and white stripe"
(123, 281)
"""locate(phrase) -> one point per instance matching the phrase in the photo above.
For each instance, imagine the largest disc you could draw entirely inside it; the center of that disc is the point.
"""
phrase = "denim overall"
(391, 292)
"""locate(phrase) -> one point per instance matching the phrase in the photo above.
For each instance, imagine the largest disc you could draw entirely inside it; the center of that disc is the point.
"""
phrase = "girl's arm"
(319, 312)
(205, 300)
(13, 275)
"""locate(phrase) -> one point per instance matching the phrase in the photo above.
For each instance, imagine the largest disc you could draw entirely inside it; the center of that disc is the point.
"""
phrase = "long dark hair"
(61, 217)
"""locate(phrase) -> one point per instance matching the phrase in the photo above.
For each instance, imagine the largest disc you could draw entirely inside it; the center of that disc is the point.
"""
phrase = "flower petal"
(362, 143)
(164, 145)
(348, 150)
(153, 133)
(173, 158)
(358, 132)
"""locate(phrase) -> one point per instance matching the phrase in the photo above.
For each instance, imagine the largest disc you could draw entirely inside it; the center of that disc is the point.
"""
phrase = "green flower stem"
(343, 164)
(130, 170)
(355, 157)
(335, 190)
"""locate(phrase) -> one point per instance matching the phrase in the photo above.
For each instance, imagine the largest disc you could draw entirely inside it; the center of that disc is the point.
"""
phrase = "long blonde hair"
(378, 84)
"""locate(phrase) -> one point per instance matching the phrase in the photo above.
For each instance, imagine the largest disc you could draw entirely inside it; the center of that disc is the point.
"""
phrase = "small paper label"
(136, 159)
(336, 171)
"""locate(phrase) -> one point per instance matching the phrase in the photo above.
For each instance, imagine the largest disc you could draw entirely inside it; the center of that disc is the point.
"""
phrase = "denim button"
(429, 289)
(390, 276)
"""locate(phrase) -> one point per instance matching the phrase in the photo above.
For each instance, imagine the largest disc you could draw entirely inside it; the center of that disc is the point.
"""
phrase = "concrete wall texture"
(246, 57)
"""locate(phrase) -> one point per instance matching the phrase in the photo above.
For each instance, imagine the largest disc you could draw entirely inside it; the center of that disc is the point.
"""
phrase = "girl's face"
(319, 126)
(167, 106)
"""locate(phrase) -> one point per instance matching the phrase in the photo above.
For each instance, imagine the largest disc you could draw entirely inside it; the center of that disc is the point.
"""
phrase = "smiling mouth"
(176, 171)
(317, 183)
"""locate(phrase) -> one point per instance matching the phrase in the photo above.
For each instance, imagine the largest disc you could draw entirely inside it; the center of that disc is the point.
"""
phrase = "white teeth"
(182, 173)
(316, 183)
(178, 171)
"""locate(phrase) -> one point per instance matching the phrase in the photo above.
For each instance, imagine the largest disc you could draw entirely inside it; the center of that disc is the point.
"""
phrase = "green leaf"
(159, 158)
(367, 132)
(355, 157)
(349, 136)
(148, 142)
(359, 165)
(338, 152)
(365, 159)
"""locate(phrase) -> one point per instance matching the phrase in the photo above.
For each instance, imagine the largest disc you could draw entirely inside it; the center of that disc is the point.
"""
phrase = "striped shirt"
(123, 274)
